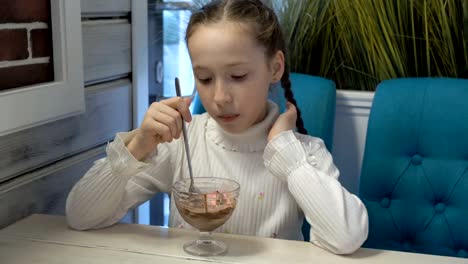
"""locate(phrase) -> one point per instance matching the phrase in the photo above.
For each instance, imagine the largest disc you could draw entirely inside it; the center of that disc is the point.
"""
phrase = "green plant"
(361, 42)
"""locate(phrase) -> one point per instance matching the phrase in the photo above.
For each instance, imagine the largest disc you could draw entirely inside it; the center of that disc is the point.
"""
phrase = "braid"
(286, 83)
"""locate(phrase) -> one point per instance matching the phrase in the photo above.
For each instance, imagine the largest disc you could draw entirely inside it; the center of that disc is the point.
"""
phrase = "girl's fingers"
(285, 122)
(182, 106)
(164, 119)
(159, 130)
(169, 122)
(185, 111)
(291, 113)
(175, 118)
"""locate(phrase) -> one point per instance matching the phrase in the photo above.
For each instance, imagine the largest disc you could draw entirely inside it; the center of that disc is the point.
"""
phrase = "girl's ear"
(277, 66)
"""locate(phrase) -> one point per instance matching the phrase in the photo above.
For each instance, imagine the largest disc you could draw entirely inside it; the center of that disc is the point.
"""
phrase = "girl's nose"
(222, 94)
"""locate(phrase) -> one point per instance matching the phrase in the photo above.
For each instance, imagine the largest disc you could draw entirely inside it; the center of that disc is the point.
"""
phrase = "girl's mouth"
(228, 118)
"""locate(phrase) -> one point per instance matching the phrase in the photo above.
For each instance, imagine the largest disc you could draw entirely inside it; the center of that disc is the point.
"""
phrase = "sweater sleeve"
(117, 183)
(338, 218)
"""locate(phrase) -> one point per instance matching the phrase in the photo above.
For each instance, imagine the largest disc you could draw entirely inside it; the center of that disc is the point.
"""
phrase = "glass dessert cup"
(206, 210)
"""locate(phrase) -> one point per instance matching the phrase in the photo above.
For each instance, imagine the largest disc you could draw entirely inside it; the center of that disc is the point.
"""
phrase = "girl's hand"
(285, 122)
(162, 123)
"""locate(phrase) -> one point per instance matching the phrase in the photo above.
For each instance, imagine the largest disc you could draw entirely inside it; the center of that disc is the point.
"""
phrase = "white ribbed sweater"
(291, 176)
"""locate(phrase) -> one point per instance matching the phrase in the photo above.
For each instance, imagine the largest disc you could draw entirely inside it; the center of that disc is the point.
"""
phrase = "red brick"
(41, 41)
(19, 76)
(19, 11)
(13, 44)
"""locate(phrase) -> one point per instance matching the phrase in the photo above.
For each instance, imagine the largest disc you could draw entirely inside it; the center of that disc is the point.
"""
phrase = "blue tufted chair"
(414, 179)
(316, 98)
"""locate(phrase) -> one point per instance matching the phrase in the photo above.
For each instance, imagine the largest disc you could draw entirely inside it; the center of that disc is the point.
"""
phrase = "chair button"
(385, 202)
(462, 253)
(416, 159)
(406, 246)
(439, 208)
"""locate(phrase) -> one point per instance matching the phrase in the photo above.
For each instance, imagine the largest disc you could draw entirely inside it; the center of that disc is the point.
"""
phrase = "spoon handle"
(184, 132)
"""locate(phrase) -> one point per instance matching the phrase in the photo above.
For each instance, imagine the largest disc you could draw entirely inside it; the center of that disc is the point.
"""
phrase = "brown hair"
(265, 26)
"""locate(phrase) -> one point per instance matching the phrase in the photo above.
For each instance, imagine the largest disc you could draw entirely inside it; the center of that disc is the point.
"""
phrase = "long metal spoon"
(192, 188)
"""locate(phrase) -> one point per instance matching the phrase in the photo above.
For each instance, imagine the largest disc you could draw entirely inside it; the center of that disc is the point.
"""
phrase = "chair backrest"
(414, 179)
(316, 98)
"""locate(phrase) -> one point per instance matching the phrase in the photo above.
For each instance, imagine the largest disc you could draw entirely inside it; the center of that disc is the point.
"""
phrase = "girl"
(237, 51)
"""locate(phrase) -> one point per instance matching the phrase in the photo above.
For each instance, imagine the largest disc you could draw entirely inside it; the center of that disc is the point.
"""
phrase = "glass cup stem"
(205, 245)
(205, 236)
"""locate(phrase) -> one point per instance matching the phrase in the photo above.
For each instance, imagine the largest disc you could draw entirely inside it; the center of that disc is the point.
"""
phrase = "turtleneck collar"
(252, 140)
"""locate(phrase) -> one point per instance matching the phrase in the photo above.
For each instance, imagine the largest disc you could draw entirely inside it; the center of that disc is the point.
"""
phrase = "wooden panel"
(46, 190)
(104, 7)
(106, 49)
(108, 110)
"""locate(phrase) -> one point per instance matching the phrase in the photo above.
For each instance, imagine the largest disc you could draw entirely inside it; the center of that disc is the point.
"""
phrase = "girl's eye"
(238, 77)
(205, 80)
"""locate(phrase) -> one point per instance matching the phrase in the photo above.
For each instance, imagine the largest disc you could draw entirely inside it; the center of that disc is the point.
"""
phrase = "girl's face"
(232, 74)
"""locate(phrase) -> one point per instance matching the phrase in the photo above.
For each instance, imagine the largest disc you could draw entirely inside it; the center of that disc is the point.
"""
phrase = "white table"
(46, 239)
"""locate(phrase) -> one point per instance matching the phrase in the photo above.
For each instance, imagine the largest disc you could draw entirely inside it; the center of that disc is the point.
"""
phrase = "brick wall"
(25, 43)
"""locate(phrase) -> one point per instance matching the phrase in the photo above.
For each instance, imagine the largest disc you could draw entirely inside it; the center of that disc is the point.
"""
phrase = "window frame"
(34, 105)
